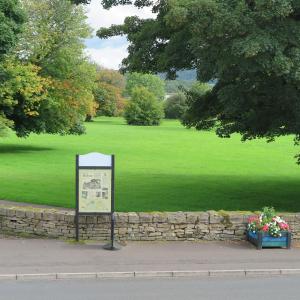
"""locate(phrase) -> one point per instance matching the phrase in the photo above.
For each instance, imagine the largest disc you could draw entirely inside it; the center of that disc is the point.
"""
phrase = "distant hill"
(187, 75)
(185, 79)
(173, 86)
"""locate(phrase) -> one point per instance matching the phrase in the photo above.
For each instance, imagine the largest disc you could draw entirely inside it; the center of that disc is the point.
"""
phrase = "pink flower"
(284, 226)
(253, 219)
(265, 228)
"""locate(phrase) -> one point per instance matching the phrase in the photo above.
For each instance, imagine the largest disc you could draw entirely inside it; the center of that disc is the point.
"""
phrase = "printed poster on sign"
(95, 190)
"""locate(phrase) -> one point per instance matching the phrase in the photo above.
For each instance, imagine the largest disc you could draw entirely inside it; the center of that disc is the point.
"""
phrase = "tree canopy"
(11, 20)
(151, 82)
(251, 48)
(143, 108)
(49, 82)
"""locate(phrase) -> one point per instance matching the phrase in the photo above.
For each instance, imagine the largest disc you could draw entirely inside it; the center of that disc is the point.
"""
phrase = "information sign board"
(95, 187)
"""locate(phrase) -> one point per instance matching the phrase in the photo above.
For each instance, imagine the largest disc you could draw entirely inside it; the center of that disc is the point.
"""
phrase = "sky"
(110, 52)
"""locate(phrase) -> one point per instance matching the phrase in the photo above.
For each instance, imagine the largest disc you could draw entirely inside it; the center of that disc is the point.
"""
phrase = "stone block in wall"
(201, 228)
(121, 218)
(122, 231)
(38, 215)
(217, 226)
(188, 232)
(204, 217)
(103, 219)
(297, 217)
(236, 217)
(150, 229)
(228, 232)
(179, 232)
(215, 231)
(3, 211)
(160, 217)
(177, 218)
(214, 217)
(11, 212)
(180, 226)
(49, 216)
(29, 214)
(133, 218)
(157, 234)
(290, 218)
(82, 220)
(240, 232)
(20, 213)
(60, 217)
(145, 217)
(192, 217)
(70, 218)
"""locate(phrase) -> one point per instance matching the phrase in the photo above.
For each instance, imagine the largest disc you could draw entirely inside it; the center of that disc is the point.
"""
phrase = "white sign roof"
(95, 159)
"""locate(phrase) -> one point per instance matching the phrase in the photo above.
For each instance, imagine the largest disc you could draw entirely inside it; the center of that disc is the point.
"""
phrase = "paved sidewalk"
(32, 256)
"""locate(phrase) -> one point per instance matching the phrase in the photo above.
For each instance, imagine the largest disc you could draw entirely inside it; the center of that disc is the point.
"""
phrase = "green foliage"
(111, 77)
(53, 35)
(200, 88)
(11, 20)
(175, 106)
(268, 213)
(106, 96)
(143, 108)
(250, 47)
(152, 82)
(53, 40)
(21, 96)
(108, 93)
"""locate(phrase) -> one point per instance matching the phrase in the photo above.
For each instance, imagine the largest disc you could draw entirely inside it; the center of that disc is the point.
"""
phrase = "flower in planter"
(268, 222)
(266, 228)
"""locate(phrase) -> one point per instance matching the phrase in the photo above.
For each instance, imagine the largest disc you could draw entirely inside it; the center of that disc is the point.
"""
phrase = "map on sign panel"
(95, 190)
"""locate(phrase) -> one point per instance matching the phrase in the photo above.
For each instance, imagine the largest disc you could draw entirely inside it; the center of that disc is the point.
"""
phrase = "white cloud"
(111, 54)
(108, 57)
(100, 17)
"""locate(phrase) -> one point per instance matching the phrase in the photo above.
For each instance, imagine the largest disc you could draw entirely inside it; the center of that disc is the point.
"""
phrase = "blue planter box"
(263, 240)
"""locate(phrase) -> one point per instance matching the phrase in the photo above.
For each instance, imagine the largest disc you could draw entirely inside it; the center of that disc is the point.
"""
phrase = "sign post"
(95, 189)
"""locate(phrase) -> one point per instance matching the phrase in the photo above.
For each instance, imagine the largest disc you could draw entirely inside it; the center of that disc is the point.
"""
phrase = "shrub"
(175, 106)
(143, 108)
(109, 99)
(153, 83)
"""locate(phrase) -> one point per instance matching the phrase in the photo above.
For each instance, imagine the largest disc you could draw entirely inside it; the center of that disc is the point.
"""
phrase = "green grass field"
(157, 168)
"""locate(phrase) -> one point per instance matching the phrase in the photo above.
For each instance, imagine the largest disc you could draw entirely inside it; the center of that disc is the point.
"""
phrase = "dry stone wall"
(155, 226)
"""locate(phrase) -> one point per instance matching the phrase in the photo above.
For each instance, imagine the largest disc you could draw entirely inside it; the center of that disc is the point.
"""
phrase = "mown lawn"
(157, 168)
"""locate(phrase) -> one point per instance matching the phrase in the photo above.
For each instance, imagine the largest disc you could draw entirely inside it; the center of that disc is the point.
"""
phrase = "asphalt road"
(276, 288)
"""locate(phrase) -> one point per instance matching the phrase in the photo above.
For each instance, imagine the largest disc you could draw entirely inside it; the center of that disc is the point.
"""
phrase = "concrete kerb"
(44, 276)
(151, 274)
(220, 273)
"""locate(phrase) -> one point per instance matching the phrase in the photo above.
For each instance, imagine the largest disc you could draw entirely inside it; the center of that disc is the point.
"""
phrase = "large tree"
(251, 48)
(51, 48)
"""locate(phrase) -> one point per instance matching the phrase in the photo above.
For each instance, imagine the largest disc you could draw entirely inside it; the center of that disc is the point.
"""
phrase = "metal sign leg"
(113, 245)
